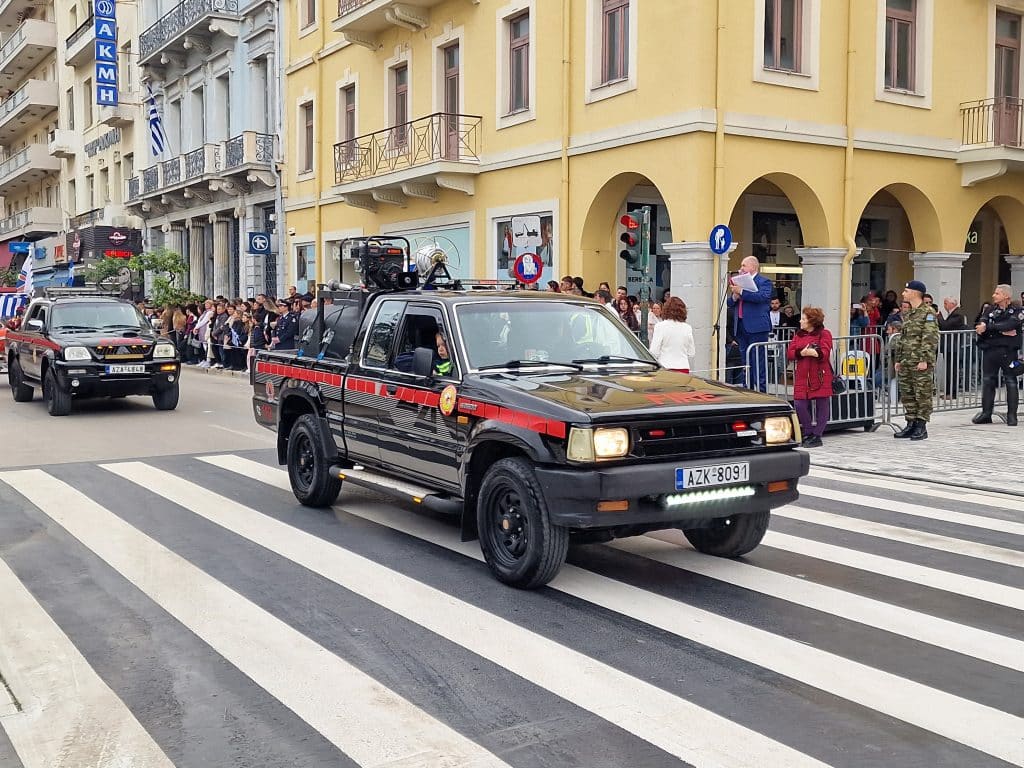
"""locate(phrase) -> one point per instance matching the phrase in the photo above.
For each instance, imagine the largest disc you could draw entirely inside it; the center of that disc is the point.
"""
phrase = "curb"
(243, 375)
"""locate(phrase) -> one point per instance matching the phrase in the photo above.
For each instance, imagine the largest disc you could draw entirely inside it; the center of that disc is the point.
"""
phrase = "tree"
(166, 267)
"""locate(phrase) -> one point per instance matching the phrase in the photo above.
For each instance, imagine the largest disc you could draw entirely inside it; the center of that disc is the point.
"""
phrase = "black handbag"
(838, 384)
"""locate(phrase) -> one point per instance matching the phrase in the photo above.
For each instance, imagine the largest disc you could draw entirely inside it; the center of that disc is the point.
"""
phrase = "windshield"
(101, 316)
(496, 332)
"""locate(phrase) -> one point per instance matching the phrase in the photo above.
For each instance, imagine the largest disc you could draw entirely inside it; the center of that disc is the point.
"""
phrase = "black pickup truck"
(538, 418)
(77, 344)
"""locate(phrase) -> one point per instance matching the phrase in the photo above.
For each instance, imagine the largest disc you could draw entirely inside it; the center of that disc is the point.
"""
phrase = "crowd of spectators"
(225, 333)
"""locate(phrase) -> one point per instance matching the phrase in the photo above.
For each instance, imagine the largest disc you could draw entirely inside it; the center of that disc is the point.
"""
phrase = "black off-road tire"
(15, 377)
(730, 536)
(58, 402)
(166, 399)
(308, 467)
(520, 544)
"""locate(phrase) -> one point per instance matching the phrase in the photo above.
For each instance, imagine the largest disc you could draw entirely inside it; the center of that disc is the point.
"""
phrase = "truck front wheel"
(308, 467)
(730, 536)
(520, 544)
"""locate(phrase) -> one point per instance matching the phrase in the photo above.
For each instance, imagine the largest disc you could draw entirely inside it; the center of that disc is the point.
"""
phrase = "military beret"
(917, 285)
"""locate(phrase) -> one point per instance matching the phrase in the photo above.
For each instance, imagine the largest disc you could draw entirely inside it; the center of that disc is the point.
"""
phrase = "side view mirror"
(423, 362)
(34, 325)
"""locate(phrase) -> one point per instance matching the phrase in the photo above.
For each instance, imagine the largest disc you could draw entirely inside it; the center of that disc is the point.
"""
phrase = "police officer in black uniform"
(999, 336)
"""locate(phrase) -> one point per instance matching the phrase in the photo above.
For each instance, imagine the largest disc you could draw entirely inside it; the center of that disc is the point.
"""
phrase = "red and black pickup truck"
(77, 343)
(537, 418)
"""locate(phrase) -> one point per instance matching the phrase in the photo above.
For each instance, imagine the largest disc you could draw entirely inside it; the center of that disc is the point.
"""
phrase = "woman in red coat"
(811, 348)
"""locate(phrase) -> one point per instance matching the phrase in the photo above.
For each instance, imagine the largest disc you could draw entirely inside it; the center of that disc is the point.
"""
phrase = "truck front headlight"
(591, 444)
(163, 351)
(77, 353)
(611, 443)
(778, 429)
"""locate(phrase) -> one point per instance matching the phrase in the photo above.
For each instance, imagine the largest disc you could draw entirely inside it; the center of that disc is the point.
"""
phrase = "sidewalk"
(243, 375)
(956, 453)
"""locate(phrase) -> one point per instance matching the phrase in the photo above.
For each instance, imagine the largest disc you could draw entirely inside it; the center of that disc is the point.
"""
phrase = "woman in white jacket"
(672, 341)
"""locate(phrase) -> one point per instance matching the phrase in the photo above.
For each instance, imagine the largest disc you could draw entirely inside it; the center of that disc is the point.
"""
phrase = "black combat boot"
(908, 430)
(1012, 396)
(920, 431)
(988, 399)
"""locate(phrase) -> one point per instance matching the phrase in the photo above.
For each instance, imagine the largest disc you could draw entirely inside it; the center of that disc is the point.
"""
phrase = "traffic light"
(630, 254)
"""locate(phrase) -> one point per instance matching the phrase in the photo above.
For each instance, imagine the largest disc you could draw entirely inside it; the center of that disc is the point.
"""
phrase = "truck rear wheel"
(520, 544)
(22, 392)
(308, 467)
(730, 536)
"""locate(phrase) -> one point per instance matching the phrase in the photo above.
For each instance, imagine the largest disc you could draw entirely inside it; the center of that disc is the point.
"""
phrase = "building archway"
(772, 217)
(599, 237)
(995, 232)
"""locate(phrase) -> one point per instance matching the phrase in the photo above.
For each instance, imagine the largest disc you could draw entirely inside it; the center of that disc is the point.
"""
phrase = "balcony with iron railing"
(363, 21)
(177, 174)
(29, 44)
(248, 149)
(200, 18)
(28, 166)
(86, 219)
(991, 138)
(439, 151)
(80, 46)
(29, 104)
(31, 222)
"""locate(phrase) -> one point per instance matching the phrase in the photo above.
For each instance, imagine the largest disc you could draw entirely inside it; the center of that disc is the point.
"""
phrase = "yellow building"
(849, 144)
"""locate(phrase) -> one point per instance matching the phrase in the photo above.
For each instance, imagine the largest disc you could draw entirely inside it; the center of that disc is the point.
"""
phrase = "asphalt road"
(213, 414)
(164, 601)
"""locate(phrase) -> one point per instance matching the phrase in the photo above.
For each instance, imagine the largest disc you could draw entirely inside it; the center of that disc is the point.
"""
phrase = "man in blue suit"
(752, 320)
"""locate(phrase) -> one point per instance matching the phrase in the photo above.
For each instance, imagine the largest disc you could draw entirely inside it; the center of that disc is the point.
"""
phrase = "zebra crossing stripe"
(376, 727)
(918, 538)
(934, 578)
(671, 723)
(975, 725)
(42, 666)
(905, 508)
(922, 627)
(924, 488)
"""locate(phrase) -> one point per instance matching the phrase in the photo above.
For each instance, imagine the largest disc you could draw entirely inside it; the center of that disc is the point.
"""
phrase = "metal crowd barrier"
(855, 360)
(957, 376)
(866, 364)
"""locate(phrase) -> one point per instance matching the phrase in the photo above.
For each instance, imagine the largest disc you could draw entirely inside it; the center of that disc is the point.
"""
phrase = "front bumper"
(91, 379)
(573, 494)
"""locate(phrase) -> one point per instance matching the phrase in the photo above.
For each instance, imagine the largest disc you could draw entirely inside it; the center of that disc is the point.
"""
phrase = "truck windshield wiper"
(122, 327)
(530, 364)
(617, 359)
(60, 328)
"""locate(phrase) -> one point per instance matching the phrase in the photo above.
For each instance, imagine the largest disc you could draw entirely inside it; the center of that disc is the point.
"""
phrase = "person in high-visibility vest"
(442, 360)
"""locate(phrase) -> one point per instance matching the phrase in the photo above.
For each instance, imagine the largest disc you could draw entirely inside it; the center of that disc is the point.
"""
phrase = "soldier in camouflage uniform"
(915, 361)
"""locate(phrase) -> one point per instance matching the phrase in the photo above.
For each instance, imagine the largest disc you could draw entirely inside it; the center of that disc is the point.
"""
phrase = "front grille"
(697, 437)
(122, 351)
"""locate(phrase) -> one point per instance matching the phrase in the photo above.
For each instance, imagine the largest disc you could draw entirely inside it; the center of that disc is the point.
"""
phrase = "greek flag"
(71, 274)
(157, 137)
(25, 282)
(9, 303)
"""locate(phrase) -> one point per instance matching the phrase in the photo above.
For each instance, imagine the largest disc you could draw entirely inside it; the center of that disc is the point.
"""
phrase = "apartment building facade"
(207, 187)
(96, 136)
(29, 176)
(849, 145)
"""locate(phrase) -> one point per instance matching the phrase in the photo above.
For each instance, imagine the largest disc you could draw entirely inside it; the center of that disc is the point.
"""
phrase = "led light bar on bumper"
(711, 494)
